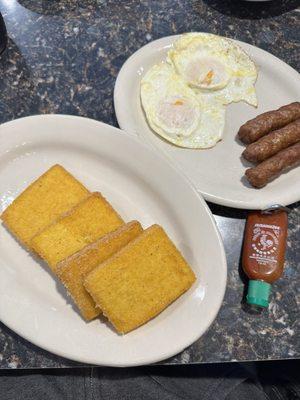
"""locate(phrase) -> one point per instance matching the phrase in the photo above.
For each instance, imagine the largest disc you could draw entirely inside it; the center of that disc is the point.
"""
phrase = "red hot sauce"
(263, 253)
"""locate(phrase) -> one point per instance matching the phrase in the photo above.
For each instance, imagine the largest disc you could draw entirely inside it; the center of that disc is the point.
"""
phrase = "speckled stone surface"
(64, 56)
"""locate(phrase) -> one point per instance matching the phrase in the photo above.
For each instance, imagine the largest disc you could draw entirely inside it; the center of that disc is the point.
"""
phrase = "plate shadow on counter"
(18, 94)
(57, 7)
(252, 10)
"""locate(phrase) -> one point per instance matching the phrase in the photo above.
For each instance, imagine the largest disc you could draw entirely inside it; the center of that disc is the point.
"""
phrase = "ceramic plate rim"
(9, 322)
(159, 44)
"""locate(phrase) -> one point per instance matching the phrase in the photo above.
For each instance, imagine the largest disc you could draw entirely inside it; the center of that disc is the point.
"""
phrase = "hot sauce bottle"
(263, 252)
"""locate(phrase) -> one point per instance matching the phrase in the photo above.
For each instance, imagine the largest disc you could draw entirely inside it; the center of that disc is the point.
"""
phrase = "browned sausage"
(274, 166)
(272, 143)
(267, 122)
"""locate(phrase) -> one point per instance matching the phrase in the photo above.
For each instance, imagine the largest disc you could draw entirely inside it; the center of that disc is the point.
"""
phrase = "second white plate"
(218, 172)
(140, 185)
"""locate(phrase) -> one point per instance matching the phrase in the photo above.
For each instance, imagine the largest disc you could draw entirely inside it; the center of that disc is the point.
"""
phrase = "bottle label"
(264, 243)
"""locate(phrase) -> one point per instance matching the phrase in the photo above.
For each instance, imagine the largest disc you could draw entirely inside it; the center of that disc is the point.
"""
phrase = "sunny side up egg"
(215, 67)
(176, 113)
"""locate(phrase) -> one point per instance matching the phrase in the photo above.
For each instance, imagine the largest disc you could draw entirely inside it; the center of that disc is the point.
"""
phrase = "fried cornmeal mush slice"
(89, 220)
(52, 194)
(140, 280)
(73, 269)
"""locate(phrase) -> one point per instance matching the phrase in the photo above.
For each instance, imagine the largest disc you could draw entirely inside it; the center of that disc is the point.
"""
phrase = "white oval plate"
(141, 185)
(217, 173)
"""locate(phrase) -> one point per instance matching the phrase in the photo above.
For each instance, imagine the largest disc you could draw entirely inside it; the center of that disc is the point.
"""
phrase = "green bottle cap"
(258, 293)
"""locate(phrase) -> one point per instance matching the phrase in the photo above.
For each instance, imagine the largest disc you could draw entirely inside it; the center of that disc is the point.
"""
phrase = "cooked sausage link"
(272, 143)
(274, 166)
(267, 122)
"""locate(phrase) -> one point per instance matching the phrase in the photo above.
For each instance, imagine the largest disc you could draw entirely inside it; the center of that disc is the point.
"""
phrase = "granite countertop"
(64, 56)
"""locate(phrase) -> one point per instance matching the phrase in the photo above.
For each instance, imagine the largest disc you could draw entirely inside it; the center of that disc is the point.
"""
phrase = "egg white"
(176, 113)
(215, 67)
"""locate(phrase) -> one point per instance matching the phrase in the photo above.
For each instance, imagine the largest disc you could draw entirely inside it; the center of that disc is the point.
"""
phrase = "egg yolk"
(206, 73)
(177, 116)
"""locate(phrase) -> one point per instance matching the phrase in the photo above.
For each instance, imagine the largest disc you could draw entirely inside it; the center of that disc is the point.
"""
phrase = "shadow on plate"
(59, 286)
(254, 9)
(61, 290)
